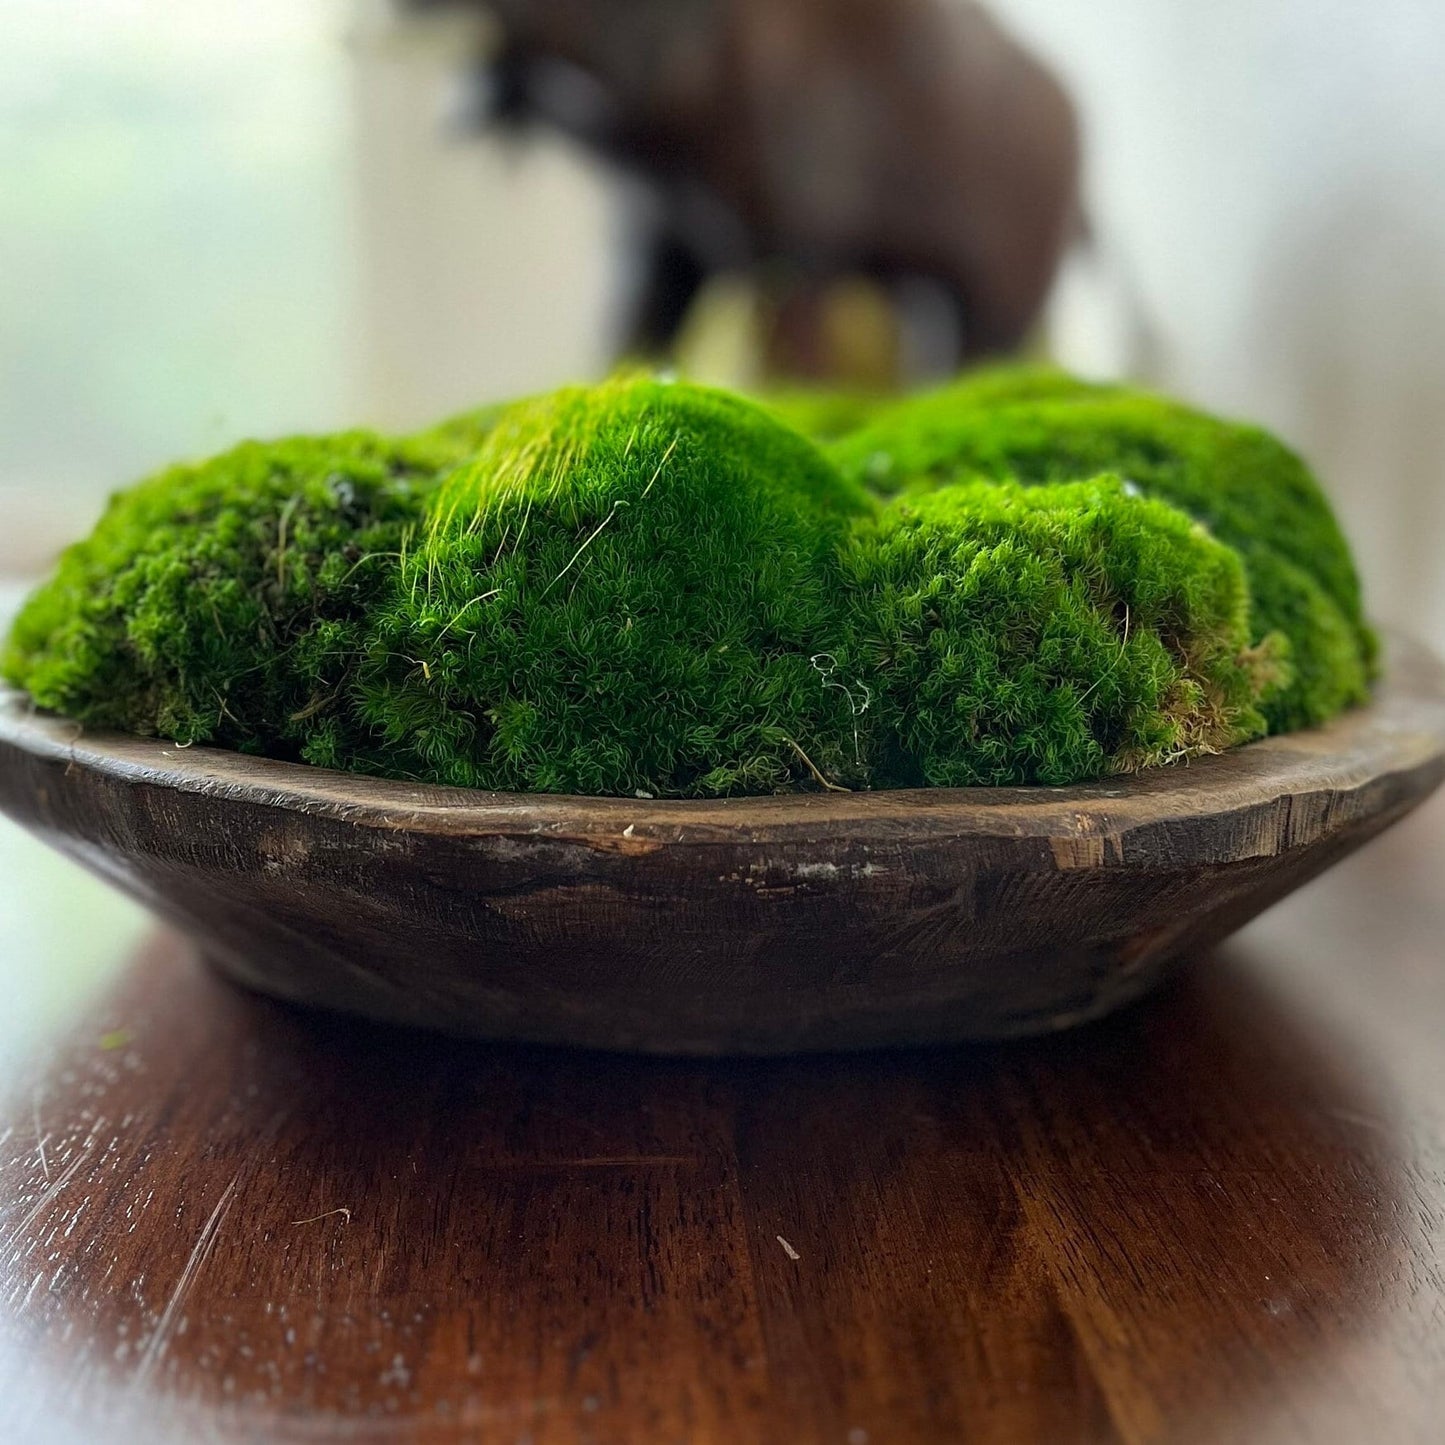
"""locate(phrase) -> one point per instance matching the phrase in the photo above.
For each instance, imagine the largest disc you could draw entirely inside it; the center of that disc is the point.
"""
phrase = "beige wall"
(486, 266)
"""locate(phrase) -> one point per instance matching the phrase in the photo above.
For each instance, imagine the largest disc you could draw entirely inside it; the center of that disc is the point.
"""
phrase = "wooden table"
(1219, 1217)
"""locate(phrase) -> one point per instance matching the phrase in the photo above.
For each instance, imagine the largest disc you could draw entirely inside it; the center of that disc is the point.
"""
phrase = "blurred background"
(222, 220)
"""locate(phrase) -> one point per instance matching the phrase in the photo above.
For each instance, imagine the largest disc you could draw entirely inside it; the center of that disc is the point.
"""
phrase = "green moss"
(1013, 634)
(458, 436)
(620, 593)
(827, 415)
(662, 589)
(1007, 384)
(223, 602)
(1250, 490)
(821, 414)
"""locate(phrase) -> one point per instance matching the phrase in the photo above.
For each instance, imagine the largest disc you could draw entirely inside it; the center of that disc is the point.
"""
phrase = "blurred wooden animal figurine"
(811, 143)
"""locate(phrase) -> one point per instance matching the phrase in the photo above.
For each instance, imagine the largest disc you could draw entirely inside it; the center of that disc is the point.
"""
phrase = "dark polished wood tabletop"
(1219, 1216)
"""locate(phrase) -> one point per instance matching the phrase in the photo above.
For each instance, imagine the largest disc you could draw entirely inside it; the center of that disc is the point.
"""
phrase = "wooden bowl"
(750, 925)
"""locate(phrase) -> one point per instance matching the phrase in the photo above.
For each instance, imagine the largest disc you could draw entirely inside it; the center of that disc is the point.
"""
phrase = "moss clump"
(662, 589)
(621, 592)
(1016, 634)
(1250, 490)
(224, 602)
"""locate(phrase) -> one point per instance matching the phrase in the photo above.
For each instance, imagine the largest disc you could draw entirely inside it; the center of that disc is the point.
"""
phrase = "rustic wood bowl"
(751, 925)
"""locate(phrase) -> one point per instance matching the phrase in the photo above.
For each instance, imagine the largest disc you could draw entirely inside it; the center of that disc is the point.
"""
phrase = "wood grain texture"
(1217, 1217)
(751, 925)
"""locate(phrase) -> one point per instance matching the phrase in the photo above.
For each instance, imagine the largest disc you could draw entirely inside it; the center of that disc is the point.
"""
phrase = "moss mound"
(1041, 426)
(224, 602)
(621, 593)
(660, 589)
(1044, 634)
